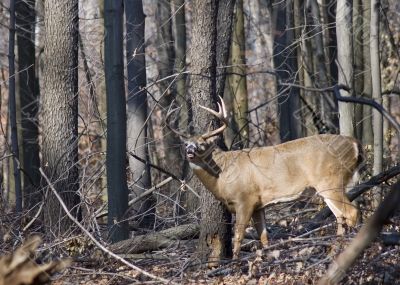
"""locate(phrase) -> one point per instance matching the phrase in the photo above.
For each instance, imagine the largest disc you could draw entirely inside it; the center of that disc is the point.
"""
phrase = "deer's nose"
(190, 150)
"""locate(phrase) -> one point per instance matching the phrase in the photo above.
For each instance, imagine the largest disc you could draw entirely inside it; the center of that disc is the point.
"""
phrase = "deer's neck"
(208, 169)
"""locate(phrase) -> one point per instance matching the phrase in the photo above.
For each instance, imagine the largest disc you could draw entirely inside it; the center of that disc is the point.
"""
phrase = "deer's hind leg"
(335, 197)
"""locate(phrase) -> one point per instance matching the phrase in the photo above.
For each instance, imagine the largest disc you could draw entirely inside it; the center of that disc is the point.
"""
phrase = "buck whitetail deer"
(247, 180)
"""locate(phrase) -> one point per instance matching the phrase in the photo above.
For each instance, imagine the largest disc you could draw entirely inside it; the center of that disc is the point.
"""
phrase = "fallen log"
(157, 240)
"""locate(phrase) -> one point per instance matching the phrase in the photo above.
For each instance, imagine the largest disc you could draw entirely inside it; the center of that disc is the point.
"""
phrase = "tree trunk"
(59, 122)
(327, 102)
(137, 108)
(13, 110)
(237, 80)
(345, 61)
(224, 30)
(377, 119)
(116, 121)
(179, 28)
(286, 66)
(173, 161)
(214, 228)
(29, 100)
(358, 64)
(367, 133)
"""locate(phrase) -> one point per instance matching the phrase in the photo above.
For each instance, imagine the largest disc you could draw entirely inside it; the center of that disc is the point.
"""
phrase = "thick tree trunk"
(59, 121)
(116, 121)
(29, 100)
(137, 108)
(214, 228)
(345, 61)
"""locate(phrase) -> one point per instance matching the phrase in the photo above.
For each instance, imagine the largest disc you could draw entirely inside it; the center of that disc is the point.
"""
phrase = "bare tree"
(137, 107)
(13, 110)
(285, 62)
(28, 94)
(377, 119)
(367, 133)
(117, 187)
(214, 228)
(237, 80)
(59, 120)
(345, 62)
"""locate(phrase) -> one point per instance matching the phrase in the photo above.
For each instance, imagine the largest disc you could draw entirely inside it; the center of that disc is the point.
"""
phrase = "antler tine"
(221, 114)
(169, 113)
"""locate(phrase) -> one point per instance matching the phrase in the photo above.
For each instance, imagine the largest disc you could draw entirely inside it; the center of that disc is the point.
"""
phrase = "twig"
(223, 269)
(164, 171)
(34, 217)
(141, 196)
(96, 242)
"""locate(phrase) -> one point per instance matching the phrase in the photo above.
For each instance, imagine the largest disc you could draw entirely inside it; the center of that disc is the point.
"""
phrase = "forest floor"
(293, 257)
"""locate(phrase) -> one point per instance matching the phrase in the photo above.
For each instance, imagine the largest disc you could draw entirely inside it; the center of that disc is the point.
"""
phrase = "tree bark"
(367, 136)
(28, 94)
(377, 120)
(137, 108)
(179, 28)
(59, 122)
(237, 80)
(214, 228)
(224, 30)
(345, 62)
(117, 187)
(358, 64)
(166, 60)
(327, 102)
(13, 110)
(286, 65)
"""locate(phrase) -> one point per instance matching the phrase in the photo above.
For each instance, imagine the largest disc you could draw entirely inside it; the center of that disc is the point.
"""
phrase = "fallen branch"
(367, 234)
(157, 240)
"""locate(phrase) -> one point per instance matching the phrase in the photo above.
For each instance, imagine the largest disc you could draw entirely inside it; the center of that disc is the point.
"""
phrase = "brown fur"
(248, 180)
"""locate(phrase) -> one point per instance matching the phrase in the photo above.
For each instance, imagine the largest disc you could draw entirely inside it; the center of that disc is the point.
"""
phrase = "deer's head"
(200, 146)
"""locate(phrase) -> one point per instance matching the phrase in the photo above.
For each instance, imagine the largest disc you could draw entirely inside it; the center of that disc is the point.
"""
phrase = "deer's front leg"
(261, 227)
(243, 215)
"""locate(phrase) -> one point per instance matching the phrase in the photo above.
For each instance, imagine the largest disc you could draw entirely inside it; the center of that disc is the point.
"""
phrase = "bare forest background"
(89, 168)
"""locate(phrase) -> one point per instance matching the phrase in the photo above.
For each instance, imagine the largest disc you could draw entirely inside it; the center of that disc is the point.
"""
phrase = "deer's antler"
(221, 114)
(169, 113)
